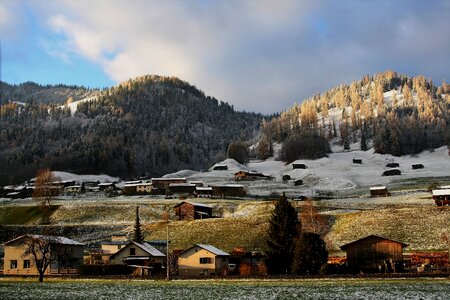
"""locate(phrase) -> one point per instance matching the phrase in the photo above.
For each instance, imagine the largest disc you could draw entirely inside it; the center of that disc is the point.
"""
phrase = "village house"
(66, 255)
(202, 260)
(182, 188)
(164, 183)
(220, 168)
(441, 197)
(374, 254)
(142, 256)
(109, 248)
(203, 192)
(250, 175)
(228, 190)
(297, 165)
(72, 189)
(190, 211)
(357, 161)
(106, 186)
(377, 191)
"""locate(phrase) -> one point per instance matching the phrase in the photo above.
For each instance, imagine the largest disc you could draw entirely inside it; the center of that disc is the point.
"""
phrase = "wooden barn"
(377, 191)
(250, 175)
(417, 166)
(204, 192)
(220, 168)
(182, 188)
(164, 183)
(441, 197)
(357, 161)
(392, 165)
(374, 254)
(298, 166)
(392, 172)
(228, 190)
(191, 211)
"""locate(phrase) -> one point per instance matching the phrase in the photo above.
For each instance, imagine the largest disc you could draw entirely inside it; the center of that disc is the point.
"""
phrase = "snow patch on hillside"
(66, 176)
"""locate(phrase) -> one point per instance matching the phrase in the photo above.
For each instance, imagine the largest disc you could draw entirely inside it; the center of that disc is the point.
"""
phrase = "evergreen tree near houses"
(310, 254)
(137, 234)
(283, 230)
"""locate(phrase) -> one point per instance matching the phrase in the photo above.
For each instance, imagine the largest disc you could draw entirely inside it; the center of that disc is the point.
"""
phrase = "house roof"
(152, 251)
(442, 192)
(53, 239)
(375, 188)
(194, 204)
(370, 236)
(209, 248)
(201, 188)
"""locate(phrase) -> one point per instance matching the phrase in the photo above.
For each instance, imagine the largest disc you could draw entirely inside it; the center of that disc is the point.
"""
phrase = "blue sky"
(259, 55)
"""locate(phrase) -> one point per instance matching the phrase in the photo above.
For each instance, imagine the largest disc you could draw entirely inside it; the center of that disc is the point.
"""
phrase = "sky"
(258, 55)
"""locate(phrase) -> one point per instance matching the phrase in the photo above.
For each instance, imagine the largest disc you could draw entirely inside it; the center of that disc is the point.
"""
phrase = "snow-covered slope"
(74, 105)
(65, 176)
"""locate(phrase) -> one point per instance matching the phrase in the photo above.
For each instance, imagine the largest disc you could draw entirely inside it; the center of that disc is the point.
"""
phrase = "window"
(205, 260)
(119, 247)
(132, 251)
(13, 264)
(26, 264)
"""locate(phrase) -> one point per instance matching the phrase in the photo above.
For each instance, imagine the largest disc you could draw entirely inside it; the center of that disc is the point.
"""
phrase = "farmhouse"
(377, 191)
(441, 197)
(106, 186)
(417, 166)
(66, 255)
(182, 188)
(392, 165)
(204, 192)
(111, 247)
(190, 211)
(392, 172)
(137, 187)
(249, 175)
(357, 161)
(374, 254)
(228, 190)
(72, 189)
(220, 168)
(202, 260)
(164, 183)
(139, 254)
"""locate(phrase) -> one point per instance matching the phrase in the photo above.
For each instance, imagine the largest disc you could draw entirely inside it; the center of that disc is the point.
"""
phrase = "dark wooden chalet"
(377, 191)
(298, 182)
(392, 165)
(417, 166)
(228, 190)
(220, 168)
(203, 192)
(392, 172)
(357, 161)
(182, 188)
(164, 183)
(250, 175)
(298, 166)
(374, 254)
(441, 197)
(190, 211)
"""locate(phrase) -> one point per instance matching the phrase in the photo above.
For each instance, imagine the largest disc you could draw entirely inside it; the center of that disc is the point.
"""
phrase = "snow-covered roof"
(441, 192)
(213, 250)
(194, 204)
(228, 185)
(168, 179)
(105, 184)
(181, 184)
(73, 187)
(444, 187)
(52, 239)
(376, 188)
(149, 249)
(202, 188)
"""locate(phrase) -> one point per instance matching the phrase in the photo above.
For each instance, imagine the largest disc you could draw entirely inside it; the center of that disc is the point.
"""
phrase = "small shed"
(220, 168)
(228, 190)
(164, 183)
(392, 172)
(190, 211)
(374, 254)
(377, 191)
(357, 161)
(441, 197)
(298, 182)
(417, 166)
(250, 175)
(182, 188)
(298, 166)
(392, 165)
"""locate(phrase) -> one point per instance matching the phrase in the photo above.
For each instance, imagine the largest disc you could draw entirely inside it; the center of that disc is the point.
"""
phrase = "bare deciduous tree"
(311, 220)
(45, 190)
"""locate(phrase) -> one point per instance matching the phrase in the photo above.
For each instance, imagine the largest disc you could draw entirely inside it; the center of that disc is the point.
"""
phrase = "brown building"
(441, 197)
(250, 175)
(190, 211)
(202, 260)
(182, 188)
(164, 183)
(298, 166)
(228, 190)
(66, 255)
(374, 254)
(377, 191)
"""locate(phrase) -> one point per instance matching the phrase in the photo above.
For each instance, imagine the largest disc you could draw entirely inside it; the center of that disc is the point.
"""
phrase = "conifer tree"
(137, 235)
(283, 230)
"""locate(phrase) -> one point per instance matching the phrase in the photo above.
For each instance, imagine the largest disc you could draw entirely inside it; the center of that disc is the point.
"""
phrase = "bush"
(105, 270)
(239, 152)
(304, 147)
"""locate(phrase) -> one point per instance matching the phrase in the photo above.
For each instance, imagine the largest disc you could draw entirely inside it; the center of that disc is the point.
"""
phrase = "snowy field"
(220, 289)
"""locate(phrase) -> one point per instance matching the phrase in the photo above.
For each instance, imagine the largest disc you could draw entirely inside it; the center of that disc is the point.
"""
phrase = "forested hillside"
(393, 113)
(33, 92)
(147, 126)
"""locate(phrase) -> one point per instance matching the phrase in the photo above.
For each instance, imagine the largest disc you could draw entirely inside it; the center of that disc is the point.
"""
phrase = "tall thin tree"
(137, 235)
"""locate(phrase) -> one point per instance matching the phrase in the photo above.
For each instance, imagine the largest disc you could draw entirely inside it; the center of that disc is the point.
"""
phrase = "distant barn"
(250, 175)
(220, 168)
(182, 188)
(191, 211)
(298, 182)
(357, 161)
(392, 165)
(417, 166)
(441, 197)
(164, 183)
(228, 190)
(392, 172)
(286, 178)
(378, 191)
(374, 254)
(298, 166)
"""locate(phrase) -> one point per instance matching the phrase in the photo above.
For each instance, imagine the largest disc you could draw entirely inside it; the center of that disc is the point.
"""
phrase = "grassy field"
(227, 289)
(22, 215)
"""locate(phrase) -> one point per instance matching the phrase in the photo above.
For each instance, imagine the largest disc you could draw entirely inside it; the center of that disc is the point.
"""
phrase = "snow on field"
(74, 105)
(337, 172)
(66, 176)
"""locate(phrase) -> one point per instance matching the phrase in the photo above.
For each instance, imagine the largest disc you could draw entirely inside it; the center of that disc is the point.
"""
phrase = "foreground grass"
(23, 215)
(10, 288)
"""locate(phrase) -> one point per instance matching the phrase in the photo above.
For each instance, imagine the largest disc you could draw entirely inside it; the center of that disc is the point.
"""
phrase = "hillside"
(146, 126)
(395, 114)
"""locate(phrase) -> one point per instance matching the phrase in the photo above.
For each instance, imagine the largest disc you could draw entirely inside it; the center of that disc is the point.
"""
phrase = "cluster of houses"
(371, 254)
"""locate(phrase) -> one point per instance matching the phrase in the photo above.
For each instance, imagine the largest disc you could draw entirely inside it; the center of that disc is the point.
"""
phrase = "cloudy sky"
(259, 55)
